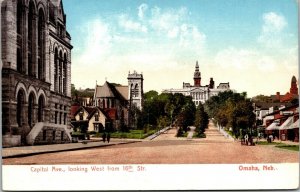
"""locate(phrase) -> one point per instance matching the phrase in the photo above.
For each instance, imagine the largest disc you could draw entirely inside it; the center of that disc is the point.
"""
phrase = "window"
(53, 135)
(65, 118)
(96, 116)
(56, 113)
(96, 127)
(61, 135)
(44, 135)
(60, 117)
(81, 115)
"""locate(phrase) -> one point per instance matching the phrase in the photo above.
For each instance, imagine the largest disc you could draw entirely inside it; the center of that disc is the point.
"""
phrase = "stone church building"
(119, 101)
(36, 72)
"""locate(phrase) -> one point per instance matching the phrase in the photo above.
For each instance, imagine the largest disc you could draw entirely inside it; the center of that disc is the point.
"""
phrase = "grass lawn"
(266, 143)
(132, 134)
(289, 147)
(280, 145)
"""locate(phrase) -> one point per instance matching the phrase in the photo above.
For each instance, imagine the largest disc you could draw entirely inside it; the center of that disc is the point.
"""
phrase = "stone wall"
(51, 135)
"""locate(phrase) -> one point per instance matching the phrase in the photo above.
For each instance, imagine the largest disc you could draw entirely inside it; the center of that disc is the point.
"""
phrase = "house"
(92, 118)
(284, 123)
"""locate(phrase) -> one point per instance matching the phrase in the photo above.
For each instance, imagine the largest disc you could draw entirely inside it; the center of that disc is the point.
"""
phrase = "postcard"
(149, 95)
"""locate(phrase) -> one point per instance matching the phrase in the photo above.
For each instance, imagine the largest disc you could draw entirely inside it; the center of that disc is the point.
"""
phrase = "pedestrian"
(246, 139)
(104, 137)
(108, 137)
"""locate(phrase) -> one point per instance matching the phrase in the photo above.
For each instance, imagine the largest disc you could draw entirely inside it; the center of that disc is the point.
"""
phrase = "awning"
(273, 126)
(294, 125)
(286, 124)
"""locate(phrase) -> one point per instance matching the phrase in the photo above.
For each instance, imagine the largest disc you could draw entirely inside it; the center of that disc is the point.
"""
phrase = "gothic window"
(19, 37)
(60, 72)
(41, 45)
(20, 106)
(65, 74)
(41, 106)
(31, 41)
(136, 88)
(55, 69)
(31, 109)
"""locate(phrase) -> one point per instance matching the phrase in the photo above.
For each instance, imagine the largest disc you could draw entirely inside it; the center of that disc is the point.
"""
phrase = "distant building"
(198, 92)
(289, 96)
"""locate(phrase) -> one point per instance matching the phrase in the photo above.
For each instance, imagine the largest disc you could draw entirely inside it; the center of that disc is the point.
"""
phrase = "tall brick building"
(36, 72)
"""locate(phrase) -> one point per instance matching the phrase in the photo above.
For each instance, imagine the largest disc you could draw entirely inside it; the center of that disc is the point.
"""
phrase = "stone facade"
(36, 73)
(135, 86)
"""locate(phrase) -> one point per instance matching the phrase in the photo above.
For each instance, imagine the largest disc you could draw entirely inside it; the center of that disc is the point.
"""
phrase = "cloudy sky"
(252, 44)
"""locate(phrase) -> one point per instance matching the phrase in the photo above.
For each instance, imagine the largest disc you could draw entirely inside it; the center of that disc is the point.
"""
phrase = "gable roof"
(109, 90)
(94, 111)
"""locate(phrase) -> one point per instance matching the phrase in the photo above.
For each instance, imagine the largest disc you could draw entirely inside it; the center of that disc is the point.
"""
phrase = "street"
(168, 149)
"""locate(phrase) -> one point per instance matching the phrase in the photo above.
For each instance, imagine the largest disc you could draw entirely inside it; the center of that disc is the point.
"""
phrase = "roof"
(266, 105)
(123, 90)
(112, 91)
(94, 111)
(112, 113)
(74, 109)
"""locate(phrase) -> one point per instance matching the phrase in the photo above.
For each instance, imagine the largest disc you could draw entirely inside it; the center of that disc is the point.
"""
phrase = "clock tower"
(197, 76)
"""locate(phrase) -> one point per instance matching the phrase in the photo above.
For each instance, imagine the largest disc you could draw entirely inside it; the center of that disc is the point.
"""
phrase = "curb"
(63, 150)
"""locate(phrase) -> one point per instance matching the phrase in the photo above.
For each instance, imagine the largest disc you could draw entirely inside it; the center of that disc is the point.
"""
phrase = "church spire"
(197, 76)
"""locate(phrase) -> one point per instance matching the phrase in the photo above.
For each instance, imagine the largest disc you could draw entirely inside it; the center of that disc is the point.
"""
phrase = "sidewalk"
(41, 149)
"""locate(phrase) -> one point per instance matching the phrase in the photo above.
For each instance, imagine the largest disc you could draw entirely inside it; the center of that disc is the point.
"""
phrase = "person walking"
(108, 137)
(246, 139)
(104, 137)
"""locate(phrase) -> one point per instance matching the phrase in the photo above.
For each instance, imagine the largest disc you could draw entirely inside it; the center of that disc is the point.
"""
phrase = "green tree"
(201, 119)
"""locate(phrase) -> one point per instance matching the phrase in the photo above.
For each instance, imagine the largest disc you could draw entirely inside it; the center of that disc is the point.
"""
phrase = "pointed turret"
(294, 88)
(197, 76)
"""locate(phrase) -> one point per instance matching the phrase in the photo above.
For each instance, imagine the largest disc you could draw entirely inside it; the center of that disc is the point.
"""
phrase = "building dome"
(294, 79)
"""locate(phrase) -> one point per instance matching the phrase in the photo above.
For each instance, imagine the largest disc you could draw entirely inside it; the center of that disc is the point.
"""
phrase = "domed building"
(198, 92)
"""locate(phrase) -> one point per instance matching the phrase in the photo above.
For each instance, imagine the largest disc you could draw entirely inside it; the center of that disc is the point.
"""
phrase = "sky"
(251, 44)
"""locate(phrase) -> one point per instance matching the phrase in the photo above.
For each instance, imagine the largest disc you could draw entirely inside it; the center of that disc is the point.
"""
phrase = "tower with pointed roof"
(294, 88)
(197, 76)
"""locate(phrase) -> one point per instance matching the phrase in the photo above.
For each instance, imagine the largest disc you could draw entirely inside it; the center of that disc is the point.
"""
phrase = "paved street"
(167, 149)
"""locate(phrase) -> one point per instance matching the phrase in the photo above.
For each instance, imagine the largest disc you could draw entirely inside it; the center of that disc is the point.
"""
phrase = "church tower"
(294, 88)
(197, 76)
(135, 92)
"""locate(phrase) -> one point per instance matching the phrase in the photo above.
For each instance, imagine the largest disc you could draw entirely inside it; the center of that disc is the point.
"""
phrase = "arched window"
(41, 106)
(65, 74)
(31, 109)
(20, 107)
(136, 90)
(31, 41)
(55, 69)
(41, 45)
(19, 37)
(60, 59)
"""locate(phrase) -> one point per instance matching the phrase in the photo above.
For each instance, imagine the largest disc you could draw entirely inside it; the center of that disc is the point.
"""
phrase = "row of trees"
(232, 111)
(165, 109)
